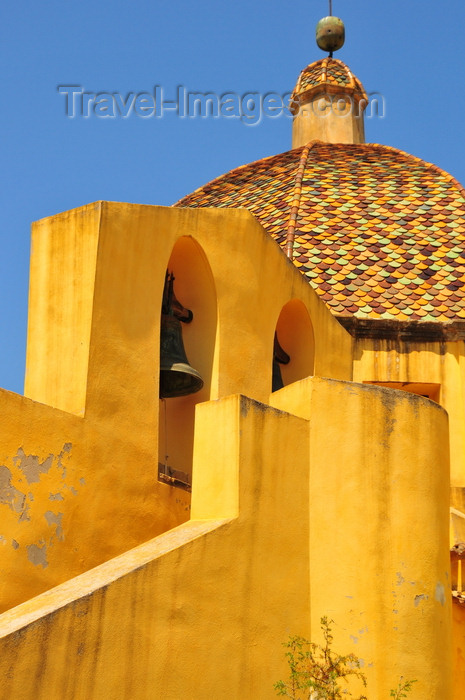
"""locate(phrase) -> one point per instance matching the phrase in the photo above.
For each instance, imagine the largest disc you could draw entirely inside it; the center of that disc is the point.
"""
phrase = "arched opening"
(294, 333)
(194, 289)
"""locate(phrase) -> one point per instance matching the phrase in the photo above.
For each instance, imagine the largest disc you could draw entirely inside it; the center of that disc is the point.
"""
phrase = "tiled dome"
(379, 233)
(327, 75)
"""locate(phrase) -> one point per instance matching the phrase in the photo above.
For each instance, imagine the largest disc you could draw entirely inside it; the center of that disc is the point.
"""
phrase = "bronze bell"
(177, 377)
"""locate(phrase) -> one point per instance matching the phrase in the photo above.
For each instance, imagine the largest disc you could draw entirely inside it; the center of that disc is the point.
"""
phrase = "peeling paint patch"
(15, 544)
(10, 495)
(37, 555)
(2, 539)
(25, 514)
(82, 481)
(55, 519)
(56, 497)
(400, 579)
(30, 465)
(73, 491)
(30, 496)
(439, 593)
(354, 639)
(419, 598)
(65, 450)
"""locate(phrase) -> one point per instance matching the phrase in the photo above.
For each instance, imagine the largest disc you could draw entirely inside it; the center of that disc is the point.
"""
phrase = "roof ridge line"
(296, 195)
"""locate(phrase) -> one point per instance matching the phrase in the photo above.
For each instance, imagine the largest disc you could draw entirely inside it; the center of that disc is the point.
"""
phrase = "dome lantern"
(328, 101)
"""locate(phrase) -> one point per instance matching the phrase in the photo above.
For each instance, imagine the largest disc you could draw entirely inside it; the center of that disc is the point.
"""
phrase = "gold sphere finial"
(330, 34)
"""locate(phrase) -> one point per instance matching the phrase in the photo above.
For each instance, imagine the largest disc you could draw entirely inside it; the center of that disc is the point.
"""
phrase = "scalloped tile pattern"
(327, 72)
(378, 233)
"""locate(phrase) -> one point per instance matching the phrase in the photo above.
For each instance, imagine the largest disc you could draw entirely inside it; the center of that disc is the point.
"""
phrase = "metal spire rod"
(330, 8)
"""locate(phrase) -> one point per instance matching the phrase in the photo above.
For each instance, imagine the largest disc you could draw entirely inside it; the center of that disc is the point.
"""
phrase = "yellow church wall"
(379, 556)
(61, 287)
(97, 277)
(71, 496)
(252, 278)
(291, 521)
(437, 363)
(199, 612)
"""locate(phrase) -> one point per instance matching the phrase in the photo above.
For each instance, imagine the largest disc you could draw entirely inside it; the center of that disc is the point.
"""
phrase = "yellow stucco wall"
(199, 612)
(73, 495)
(128, 248)
(423, 363)
(379, 497)
(79, 457)
(286, 528)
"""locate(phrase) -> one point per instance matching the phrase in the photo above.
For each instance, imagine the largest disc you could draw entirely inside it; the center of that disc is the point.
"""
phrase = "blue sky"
(410, 52)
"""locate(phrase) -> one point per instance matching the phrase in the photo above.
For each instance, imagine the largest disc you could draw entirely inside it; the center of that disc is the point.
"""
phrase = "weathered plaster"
(36, 530)
(55, 519)
(440, 593)
(419, 598)
(30, 465)
(10, 495)
(37, 555)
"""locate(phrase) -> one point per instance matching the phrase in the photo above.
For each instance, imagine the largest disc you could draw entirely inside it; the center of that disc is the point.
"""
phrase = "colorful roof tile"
(378, 233)
(326, 75)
